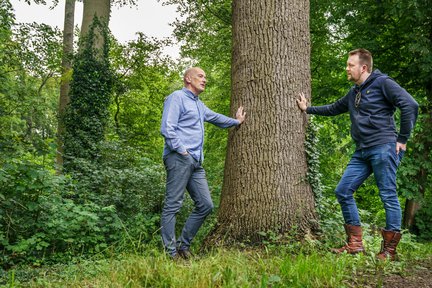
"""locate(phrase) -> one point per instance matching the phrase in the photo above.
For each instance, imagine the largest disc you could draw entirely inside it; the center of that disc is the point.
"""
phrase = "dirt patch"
(418, 275)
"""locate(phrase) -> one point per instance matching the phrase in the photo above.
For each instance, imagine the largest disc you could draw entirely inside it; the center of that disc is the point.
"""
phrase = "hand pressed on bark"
(302, 102)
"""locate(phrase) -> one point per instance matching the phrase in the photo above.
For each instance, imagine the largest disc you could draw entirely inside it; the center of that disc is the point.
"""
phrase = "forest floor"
(231, 268)
(417, 276)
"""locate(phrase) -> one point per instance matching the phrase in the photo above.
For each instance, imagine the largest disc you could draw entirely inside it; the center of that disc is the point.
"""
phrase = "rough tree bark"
(265, 186)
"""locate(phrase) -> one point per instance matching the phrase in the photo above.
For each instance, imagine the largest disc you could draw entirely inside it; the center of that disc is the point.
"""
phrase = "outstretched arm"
(222, 120)
(336, 108)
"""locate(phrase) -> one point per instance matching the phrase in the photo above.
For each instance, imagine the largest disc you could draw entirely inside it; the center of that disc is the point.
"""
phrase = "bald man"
(183, 129)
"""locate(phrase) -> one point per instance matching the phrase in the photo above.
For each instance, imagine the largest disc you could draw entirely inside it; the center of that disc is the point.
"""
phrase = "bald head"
(191, 72)
(194, 80)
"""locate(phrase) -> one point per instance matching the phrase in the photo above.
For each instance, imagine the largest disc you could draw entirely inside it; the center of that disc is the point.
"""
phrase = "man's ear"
(187, 79)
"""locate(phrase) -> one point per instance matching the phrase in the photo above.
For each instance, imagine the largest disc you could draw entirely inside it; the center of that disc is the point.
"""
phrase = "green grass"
(286, 265)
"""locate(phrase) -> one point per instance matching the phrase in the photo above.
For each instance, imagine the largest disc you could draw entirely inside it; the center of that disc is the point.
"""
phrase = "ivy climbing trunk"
(100, 9)
(87, 114)
(66, 74)
(265, 187)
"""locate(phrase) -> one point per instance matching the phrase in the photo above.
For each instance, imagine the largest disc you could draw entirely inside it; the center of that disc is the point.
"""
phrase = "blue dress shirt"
(183, 123)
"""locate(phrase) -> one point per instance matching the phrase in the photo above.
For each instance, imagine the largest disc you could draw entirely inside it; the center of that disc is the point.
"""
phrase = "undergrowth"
(273, 264)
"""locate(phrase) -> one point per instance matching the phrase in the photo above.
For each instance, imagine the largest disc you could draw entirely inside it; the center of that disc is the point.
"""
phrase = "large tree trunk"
(66, 74)
(265, 187)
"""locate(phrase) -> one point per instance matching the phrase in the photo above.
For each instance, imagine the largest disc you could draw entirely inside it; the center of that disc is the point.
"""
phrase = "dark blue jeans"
(183, 173)
(382, 161)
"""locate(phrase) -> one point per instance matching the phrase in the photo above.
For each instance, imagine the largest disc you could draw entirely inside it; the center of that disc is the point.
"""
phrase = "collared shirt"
(183, 123)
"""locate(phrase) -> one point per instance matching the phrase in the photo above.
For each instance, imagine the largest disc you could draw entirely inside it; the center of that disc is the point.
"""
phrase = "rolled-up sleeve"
(219, 119)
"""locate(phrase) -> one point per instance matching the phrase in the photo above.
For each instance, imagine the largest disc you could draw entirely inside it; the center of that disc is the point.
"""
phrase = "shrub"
(423, 220)
(36, 221)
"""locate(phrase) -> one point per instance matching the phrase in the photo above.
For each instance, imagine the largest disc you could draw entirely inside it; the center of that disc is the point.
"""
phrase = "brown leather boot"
(388, 245)
(354, 243)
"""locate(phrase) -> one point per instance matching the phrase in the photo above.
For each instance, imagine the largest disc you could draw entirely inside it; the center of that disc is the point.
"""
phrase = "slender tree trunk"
(411, 208)
(265, 187)
(66, 74)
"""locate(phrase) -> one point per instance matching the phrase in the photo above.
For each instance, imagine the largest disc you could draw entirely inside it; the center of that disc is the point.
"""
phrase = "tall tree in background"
(100, 9)
(265, 187)
(87, 114)
(65, 79)
(94, 11)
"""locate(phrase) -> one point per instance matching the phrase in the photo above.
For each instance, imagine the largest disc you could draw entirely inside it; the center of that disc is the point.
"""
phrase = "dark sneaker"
(175, 257)
(185, 254)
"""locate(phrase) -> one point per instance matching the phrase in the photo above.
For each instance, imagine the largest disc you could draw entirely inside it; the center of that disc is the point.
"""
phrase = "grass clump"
(274, 267)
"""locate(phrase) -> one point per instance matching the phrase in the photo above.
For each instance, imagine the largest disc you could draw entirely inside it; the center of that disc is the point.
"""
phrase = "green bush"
(133, 184)
(36, 221)
(423, 220)
(121, 177)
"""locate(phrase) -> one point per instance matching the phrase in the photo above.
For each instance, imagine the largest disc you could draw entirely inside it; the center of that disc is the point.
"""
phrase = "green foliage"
(313, 154)
(38, 223)
(144, 77)
(116, 192)
(415, 174)
(46, 217)
(122, 177)
(40, 51)
(328, 84)
(86, 116)
(7, 19)
(423, 219)
(27, 103)
(206, 28)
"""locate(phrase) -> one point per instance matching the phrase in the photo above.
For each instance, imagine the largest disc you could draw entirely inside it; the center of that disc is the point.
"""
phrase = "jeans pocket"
(400, 155)
(185, 160)
(169, 161)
